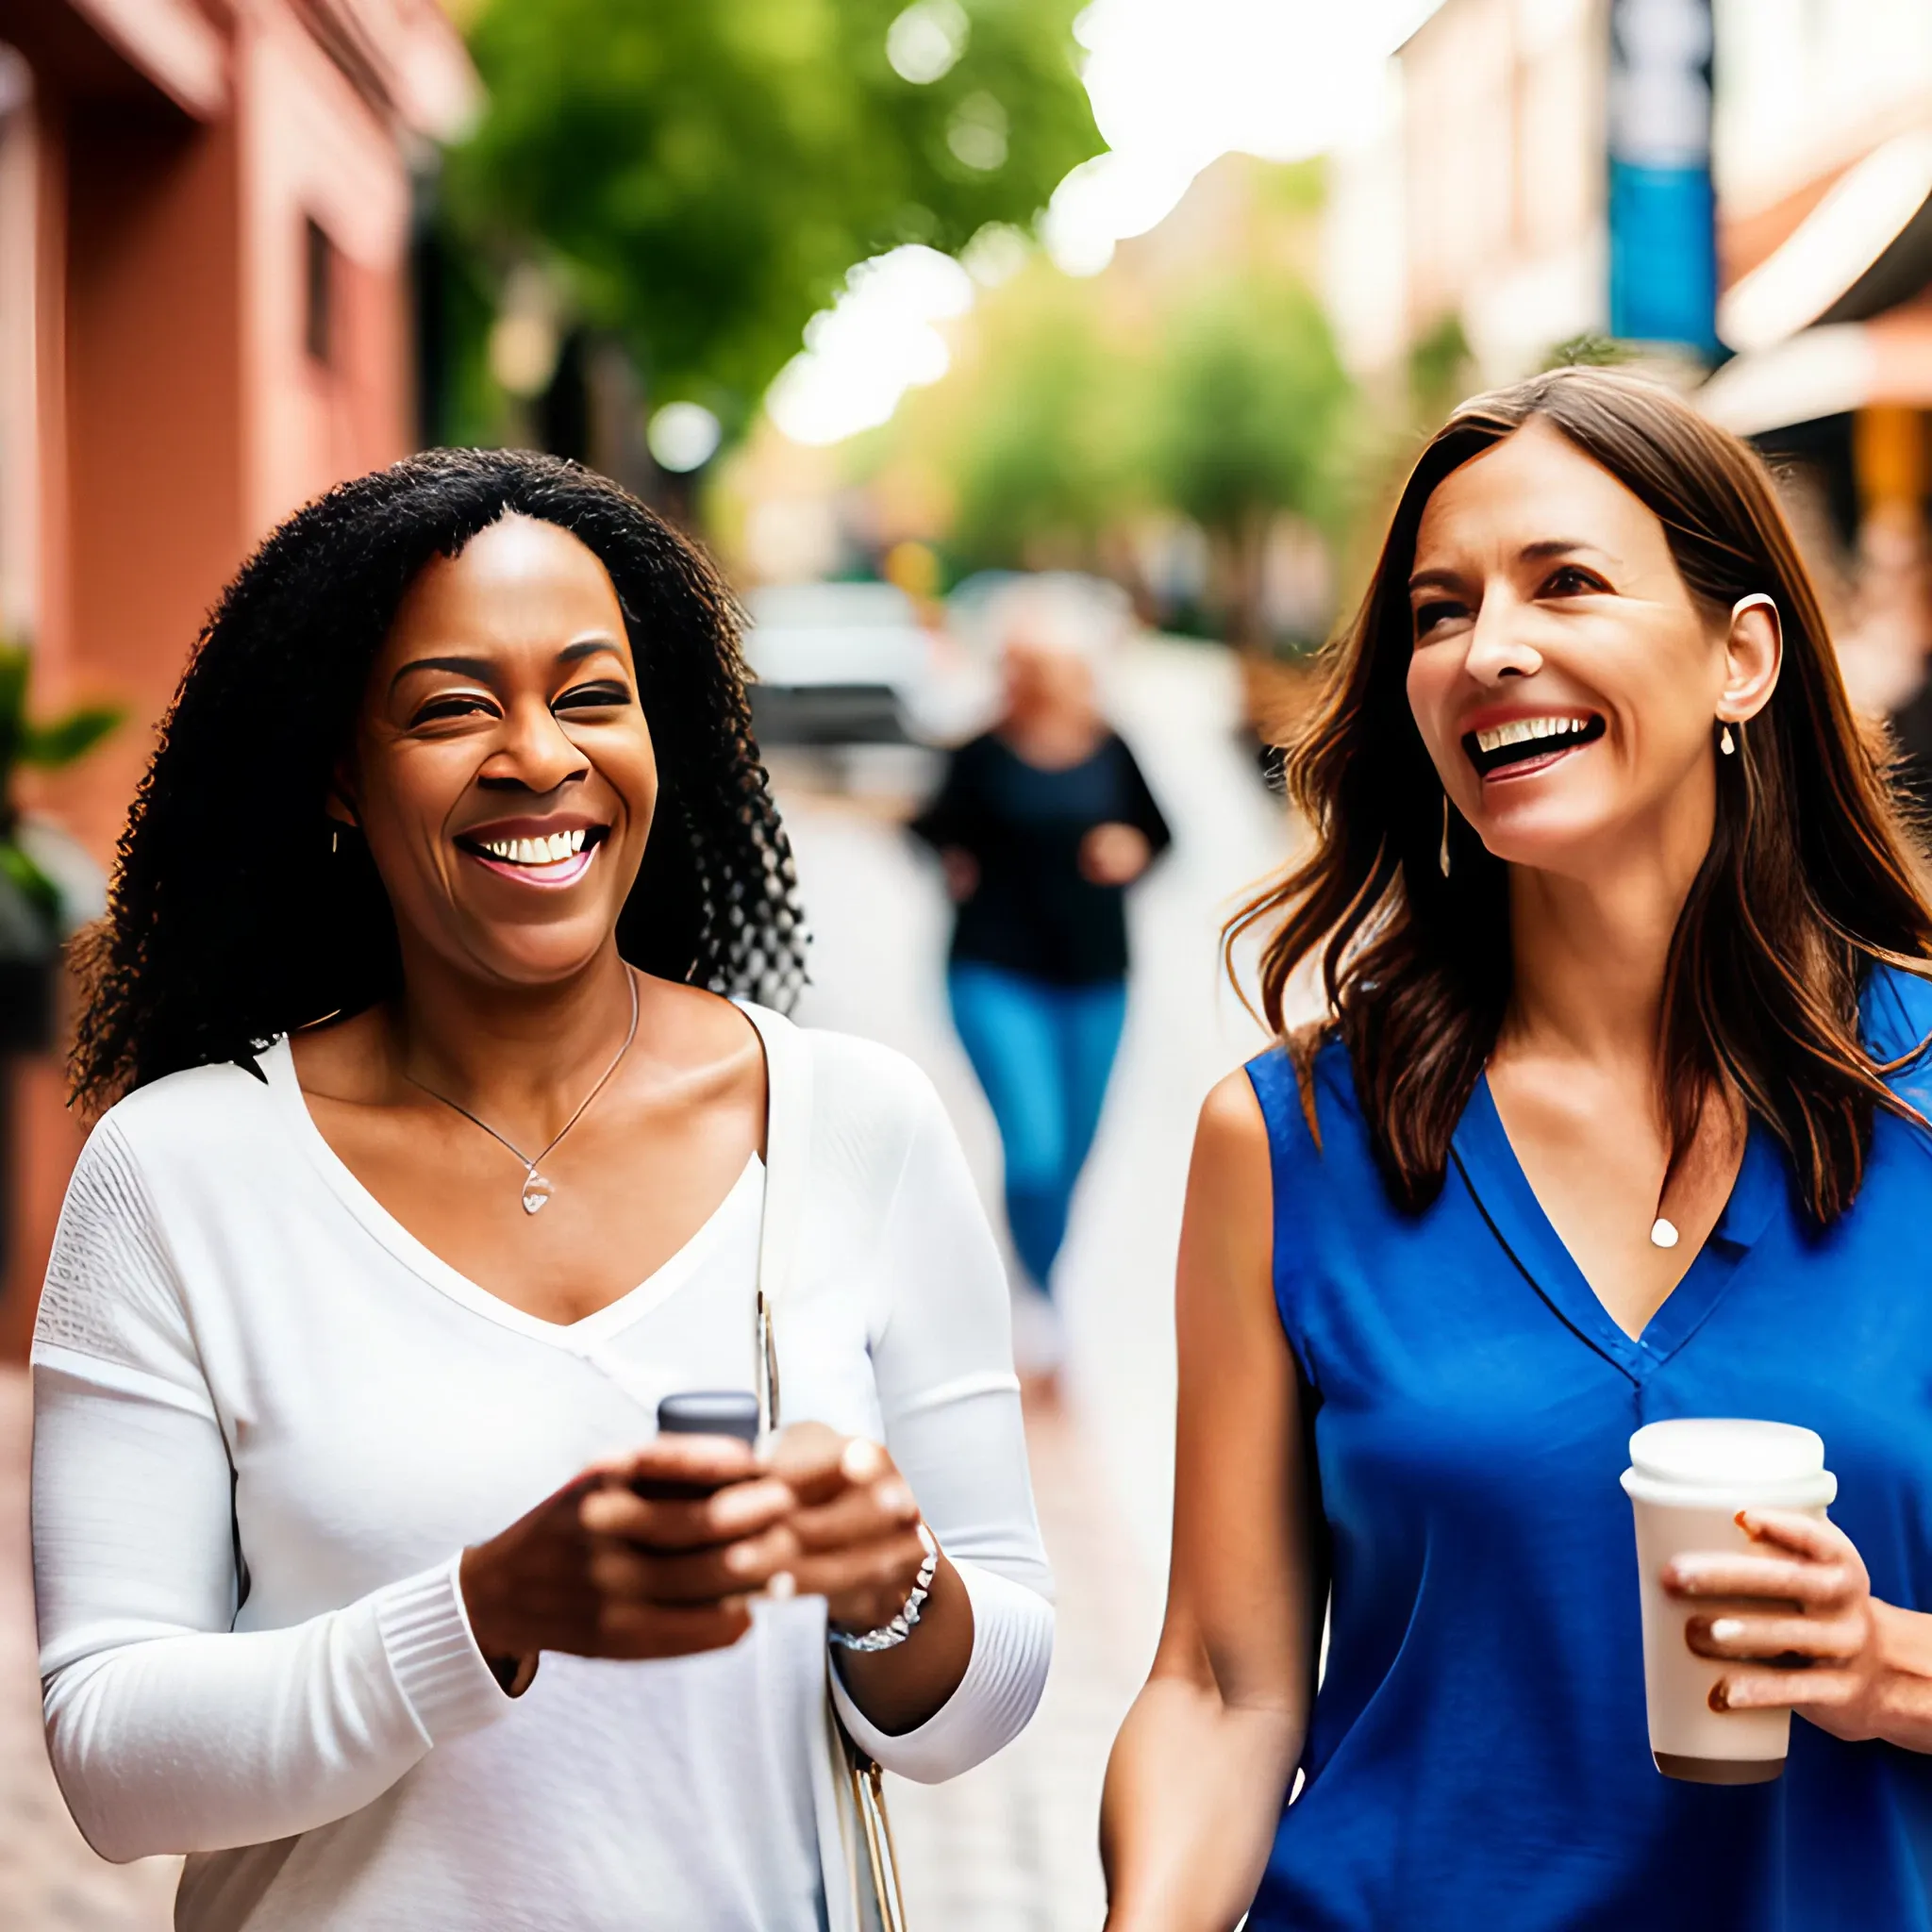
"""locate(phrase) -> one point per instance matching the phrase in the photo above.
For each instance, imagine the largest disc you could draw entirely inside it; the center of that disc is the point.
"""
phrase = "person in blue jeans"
(1042, 825)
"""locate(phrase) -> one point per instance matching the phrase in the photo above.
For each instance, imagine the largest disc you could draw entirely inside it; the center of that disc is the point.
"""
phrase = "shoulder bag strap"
(787, 1154)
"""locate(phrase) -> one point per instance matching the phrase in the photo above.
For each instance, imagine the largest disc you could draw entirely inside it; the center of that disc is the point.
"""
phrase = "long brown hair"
(1811, 877)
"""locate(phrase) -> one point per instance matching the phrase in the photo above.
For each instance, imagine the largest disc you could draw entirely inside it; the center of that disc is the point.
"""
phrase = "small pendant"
(1663, 1234)
(536, 1191)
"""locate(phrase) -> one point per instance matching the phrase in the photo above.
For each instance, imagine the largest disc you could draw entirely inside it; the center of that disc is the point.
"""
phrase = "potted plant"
(36, 913)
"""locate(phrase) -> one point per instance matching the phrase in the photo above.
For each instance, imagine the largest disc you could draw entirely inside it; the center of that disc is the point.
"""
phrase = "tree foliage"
(1247, 424)
(1087, 416)
(1247, 404)
(1040, 448)
(705, 172)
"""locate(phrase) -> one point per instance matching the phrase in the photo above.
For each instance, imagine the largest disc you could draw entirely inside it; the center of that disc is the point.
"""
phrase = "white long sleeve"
(268, 1421)
(942, 1356)
(168, 1731)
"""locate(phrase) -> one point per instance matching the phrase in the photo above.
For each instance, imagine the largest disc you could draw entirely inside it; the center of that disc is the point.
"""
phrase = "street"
(1009, 1847)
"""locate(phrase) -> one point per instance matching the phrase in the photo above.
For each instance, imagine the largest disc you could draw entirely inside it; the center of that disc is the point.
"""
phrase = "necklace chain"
(538, 1188)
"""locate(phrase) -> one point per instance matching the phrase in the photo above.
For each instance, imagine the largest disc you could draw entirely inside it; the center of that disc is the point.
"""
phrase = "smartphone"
(700, 1412)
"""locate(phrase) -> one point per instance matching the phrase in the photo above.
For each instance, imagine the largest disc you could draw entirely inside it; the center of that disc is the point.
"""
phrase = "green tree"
(1247, 424)
(1441, 371)
(1038, 442)
(705, 172)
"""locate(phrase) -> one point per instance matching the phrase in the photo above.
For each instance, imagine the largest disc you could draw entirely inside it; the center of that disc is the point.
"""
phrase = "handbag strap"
(788, 1156)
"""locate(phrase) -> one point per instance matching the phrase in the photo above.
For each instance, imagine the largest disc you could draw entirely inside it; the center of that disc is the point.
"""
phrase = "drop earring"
(335, 841)
(1442, 856)
(1726, 742)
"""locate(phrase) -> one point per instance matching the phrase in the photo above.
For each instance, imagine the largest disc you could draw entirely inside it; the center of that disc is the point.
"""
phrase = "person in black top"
(1042, 825)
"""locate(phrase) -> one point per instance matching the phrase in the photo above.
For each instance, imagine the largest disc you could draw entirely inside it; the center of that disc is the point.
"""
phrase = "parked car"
(836, 665)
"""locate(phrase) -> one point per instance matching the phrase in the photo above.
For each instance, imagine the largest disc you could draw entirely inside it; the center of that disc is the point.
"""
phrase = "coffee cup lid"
(1723, 1449)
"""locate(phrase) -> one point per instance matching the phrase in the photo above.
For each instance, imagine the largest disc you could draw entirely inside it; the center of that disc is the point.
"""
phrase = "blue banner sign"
(1663, 216)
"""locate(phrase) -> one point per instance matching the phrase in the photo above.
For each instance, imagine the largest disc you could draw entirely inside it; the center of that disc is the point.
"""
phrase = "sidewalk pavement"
(1013, 1846)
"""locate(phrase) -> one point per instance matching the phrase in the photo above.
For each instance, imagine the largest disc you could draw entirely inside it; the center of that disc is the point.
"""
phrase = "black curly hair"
(231, 921)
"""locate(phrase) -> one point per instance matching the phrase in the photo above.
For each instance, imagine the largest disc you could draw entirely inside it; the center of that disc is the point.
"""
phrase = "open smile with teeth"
(1524, 741)
(560, 845)
(553, 859)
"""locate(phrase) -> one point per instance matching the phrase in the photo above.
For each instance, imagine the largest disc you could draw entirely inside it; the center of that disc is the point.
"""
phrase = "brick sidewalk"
(1014, 1847)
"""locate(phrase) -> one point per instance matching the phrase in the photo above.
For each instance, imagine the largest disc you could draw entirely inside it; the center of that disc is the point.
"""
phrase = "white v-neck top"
(268, 1420)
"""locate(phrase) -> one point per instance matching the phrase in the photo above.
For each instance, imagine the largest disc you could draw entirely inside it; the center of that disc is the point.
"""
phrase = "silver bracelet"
(890, 1636)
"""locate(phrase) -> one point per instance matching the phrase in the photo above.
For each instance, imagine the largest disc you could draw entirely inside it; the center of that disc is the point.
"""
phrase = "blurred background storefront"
(1471, 231)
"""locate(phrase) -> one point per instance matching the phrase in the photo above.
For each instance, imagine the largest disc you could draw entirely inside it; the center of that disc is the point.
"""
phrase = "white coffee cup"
(1687, 1481)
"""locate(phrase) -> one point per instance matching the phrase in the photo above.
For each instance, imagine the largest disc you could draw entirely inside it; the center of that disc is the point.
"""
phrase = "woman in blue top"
(1613, 1116)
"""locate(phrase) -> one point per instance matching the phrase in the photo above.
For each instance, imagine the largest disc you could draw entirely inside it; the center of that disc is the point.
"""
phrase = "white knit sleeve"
(942, 1358)
(167, 1730)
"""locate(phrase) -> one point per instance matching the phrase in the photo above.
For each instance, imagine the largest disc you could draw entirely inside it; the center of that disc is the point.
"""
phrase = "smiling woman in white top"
(431, 1161)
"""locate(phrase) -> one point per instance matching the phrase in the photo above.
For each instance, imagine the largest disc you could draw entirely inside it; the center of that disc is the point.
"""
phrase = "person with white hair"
(1041, 823)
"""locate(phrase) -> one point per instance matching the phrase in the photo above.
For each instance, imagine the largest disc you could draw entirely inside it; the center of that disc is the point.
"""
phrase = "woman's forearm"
(1904, 1641)
(901, 1688)
(1193, 1796)
(204, 1740)
(1009, 1647)
(167, 1730)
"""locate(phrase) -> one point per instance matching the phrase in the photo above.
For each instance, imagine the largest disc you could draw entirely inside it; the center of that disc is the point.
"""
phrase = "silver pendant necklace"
(536, 1186)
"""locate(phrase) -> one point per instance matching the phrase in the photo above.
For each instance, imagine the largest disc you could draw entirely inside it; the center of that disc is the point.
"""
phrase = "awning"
(1825, 372)
(1864, 248)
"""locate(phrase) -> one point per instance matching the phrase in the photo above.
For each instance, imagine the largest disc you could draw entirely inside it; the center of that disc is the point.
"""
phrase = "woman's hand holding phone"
(855, 1528)
(660, 1553)
(855, 1525)
(598, 1570)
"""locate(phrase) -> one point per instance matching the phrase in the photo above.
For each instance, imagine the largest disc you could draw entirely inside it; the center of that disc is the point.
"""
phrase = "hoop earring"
(1442, 856)
(1726, 742)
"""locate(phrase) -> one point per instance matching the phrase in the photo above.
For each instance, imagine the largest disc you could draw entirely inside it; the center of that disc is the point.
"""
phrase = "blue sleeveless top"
(1478, 1754)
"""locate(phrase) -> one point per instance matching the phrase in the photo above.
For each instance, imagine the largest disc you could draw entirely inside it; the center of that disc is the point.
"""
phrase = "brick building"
(205, 248)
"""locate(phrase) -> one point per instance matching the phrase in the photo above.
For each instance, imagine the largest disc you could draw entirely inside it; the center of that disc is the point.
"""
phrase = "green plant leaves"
(33, 885)
(63, 741)
(701, 173)
(45, 747)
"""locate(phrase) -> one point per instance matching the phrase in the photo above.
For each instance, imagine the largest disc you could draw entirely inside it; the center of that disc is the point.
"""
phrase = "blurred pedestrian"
(1042, 825)
(1615, 1113)
(455, 819)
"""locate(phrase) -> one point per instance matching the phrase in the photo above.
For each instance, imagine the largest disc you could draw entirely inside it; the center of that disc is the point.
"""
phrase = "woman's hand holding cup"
(1808, 1635)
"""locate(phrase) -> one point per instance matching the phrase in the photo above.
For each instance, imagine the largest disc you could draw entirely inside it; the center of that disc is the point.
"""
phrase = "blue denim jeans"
(1044, 1054)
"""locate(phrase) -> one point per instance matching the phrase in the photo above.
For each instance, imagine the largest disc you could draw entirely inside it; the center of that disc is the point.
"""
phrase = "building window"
(318, 306)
